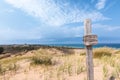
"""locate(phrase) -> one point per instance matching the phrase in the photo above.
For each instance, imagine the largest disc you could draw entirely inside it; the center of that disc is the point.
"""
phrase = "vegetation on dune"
(62, 67)
(101, 52)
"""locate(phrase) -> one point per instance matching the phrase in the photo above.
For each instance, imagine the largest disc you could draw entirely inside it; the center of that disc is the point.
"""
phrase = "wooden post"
(87, 27)
(89, 62)
(88, 44)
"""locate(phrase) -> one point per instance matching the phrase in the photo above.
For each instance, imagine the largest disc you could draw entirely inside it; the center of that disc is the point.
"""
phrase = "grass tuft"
(99, 52)
(40, 58)
(105, 72)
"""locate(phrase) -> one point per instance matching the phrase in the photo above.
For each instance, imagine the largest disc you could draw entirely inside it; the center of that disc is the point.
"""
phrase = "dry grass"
(42, 59)
(100, 52)
(62, 66)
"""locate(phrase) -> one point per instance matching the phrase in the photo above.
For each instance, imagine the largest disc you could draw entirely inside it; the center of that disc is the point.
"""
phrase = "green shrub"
(42, 59)
(1, 50)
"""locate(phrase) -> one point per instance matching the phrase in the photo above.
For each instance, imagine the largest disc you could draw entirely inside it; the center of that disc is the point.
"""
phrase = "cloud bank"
(57, 19)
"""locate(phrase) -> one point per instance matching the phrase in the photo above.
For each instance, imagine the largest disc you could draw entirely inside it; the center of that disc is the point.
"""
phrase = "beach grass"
(54, 64)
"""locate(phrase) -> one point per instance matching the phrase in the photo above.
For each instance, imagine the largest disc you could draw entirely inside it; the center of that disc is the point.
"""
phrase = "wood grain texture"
(90, 40)
(89, 55)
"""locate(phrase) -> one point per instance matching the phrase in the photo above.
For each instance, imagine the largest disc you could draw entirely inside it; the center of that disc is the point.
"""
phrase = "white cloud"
(55, 14)
(101, 4)
(62, 32)
(106, 28)
(113, 28)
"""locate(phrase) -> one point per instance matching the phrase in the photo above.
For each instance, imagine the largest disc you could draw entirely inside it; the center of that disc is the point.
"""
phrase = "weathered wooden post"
(89, 40)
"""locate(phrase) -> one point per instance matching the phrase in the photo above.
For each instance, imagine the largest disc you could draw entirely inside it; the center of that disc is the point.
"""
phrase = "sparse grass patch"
(112, 61)
(83, 53)
(117, 71)
(13, 66)
(80, 66)
(105, 72)
(9, 64)
(8, 67)
(1, 69)
(80, 69)
(13, 59)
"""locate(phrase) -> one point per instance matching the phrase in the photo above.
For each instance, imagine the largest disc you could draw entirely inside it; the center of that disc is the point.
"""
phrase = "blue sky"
(45, 21)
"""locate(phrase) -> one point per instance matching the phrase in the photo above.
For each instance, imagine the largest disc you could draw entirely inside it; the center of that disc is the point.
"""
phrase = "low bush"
(1, 50)
(66, 50)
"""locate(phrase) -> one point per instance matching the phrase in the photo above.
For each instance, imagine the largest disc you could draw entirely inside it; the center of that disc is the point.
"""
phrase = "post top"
(88, 20)
(87, 27)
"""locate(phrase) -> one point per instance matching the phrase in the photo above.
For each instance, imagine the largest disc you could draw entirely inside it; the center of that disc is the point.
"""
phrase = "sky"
(52, 21)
